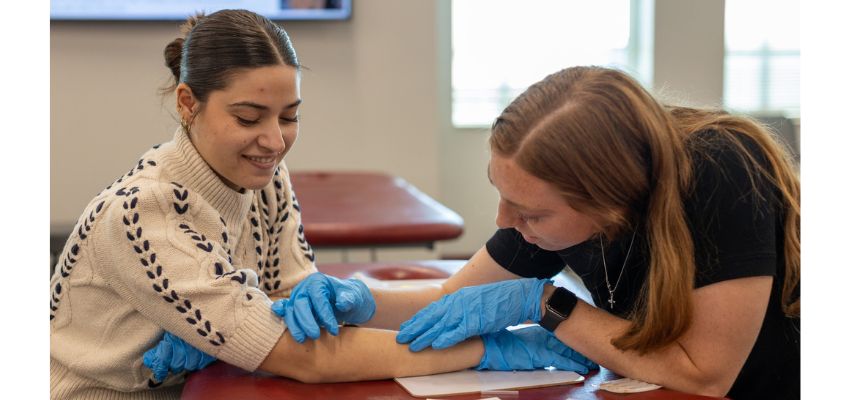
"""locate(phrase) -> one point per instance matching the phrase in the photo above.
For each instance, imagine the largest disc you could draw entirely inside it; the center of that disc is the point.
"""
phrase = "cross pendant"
(611, 300)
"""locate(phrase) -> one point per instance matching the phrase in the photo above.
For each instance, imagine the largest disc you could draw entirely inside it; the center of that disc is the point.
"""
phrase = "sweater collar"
(190, 170)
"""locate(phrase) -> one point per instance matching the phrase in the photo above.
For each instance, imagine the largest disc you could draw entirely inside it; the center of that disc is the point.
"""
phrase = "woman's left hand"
(174, 355)
(473, 311)
(530, 348)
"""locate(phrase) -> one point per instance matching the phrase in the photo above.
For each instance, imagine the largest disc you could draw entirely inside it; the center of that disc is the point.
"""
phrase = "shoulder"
(155, 206)
(728, 165)
(732, 208)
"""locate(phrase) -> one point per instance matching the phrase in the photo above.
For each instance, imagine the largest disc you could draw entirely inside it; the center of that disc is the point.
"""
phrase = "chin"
(552, 247)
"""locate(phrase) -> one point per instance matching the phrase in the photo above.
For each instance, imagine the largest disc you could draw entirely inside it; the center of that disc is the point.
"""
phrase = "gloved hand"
(530, 348)
(309, 305)
(473, 311)
(174, 355)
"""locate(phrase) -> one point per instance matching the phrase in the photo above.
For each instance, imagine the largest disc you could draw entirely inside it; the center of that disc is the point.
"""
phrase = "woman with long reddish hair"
(683, 224)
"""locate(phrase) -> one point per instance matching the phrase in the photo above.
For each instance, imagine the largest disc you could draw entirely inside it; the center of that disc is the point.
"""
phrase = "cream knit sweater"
(169, 246)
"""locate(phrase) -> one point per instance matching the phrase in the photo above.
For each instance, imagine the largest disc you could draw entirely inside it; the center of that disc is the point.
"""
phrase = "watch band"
(559, 306)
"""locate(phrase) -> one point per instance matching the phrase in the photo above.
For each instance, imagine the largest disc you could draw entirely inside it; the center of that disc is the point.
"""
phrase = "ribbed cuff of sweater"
(254, 338)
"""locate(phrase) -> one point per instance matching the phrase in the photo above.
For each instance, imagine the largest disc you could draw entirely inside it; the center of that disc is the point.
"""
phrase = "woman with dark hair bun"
(177, 262)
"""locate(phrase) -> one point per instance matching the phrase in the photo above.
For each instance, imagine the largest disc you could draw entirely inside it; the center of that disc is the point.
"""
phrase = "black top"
(736, 234)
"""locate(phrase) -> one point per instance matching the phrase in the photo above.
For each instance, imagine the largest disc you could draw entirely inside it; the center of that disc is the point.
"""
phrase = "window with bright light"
(499, 47)
(762, 63)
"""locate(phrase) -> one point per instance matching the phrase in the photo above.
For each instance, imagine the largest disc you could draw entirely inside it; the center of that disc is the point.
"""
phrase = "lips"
(262, 162)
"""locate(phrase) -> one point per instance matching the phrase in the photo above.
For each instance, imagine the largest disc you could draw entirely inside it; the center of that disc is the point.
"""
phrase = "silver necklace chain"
(605, 267)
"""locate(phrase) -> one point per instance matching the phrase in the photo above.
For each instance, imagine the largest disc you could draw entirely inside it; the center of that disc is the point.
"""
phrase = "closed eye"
(247, 122)
(528, 218)
(290, 120)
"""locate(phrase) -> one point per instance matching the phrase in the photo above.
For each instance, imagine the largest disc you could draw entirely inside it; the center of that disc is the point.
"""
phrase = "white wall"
(376, 98)
(688, 60)
(369, 99)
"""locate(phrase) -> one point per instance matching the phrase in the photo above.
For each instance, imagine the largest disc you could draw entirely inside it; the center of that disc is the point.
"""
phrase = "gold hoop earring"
(184, 125)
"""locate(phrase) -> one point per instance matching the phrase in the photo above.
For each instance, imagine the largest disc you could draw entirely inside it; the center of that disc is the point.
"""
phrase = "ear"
(186, 101)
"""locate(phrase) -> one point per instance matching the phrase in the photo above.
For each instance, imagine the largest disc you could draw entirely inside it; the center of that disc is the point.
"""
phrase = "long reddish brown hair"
(615, 153)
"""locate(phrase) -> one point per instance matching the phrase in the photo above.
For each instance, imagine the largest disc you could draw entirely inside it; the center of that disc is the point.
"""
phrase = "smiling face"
(535, 209)
(244, 130)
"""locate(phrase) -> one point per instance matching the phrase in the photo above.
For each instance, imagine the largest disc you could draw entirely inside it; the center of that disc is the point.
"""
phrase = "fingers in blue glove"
(192, 358)
(424, 340)
(567, 364)
(157, 359)
(362, 307)
(303, 312)
(421, 321)
(584, 360)
(450, 331)
(178, 352)
(322, 312)
(173, 355)
(434, 326)
(292, 324)
(473, 311)
(345, 301)
(279, 307)
(454, 331)
(530, 348)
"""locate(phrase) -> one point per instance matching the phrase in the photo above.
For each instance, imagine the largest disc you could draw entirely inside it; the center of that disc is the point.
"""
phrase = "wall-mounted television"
(178, 10)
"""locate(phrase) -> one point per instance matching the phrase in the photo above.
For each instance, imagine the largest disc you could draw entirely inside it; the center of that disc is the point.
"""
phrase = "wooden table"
(224, 381)
(370, 209)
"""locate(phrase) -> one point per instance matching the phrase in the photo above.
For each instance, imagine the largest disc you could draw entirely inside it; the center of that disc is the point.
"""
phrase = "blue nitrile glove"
(309, 305)
(473, 311)
(174, 355)
(530, 348)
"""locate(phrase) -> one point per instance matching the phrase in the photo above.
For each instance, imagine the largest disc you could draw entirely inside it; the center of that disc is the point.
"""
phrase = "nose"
(506, 217)
(272, 139)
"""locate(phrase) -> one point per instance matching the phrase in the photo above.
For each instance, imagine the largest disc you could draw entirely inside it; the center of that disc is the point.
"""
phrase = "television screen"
(172, 10)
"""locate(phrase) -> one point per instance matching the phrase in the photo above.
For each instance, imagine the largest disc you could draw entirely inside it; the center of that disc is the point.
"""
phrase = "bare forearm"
(363, 354)
(394, 306)
(706, 359)
(590, 332)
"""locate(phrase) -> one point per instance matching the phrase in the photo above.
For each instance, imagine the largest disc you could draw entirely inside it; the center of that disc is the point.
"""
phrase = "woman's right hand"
(322, 300)
(530, 348)
(172, 355)
(473, 311)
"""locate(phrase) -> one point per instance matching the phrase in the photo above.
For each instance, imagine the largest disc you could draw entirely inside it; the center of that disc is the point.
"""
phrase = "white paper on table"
(395, 283)
(472, 381)
(626, 385)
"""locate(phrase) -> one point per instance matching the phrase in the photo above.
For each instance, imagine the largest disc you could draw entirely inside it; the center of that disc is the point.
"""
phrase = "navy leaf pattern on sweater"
(69, 259)
(71, 256)
(254, 219)
(224, 240)
(140, 165)
(302, 240)
(154, 270)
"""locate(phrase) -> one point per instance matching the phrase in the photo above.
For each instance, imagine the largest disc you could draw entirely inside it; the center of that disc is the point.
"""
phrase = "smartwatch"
(559, 306)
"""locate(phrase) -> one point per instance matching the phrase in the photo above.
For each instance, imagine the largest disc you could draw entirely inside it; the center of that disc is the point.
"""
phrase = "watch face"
(560, 301)
(552, 310)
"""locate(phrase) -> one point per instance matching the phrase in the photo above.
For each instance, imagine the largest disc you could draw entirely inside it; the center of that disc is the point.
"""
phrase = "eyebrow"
(251, 104)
